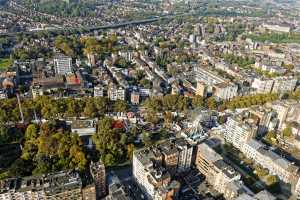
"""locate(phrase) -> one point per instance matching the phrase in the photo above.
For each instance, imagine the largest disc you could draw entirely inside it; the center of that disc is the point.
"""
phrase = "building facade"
(63, 65)
(99, 175)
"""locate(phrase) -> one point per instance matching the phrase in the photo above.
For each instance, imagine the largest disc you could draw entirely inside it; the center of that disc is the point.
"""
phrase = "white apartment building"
(250, 148)
(225, 91)
(277, 28)
(284, 84)
(274, 85)
(153, 167)
(207, 76)
(219, 86)
(185, 155)
(237, 132)
(219, 174)
(239, 135)
(115, 93)
(98, 91)
(63, 65)
(262, 86)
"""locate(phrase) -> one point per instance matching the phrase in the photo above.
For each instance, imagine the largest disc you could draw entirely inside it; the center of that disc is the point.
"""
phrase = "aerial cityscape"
(149, 100)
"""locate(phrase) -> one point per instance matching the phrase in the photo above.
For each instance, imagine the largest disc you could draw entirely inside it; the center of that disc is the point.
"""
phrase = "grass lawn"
(5, 63)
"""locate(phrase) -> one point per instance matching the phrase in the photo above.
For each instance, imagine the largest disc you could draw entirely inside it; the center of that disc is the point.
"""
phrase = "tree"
(168, 118)
(197, 102)
(109, 143)
(153, 104)
(123, 139)
(151, 117)
(182, 103)
(20, 168)
(170, 102)
(212, 103)
(90, 109)
(130, 149)
(120, 106)
(101, 104)
(109, 160)
(50, 147)
(31, 132)
(287, 132)
(270, 137)
(146, 138)
(4, 135)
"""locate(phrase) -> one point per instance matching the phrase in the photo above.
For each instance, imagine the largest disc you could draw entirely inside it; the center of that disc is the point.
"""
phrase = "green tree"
(4, 135)
(130, 150)
(152, 117)
(197, 102)
(120, 106)
(287, 132)
(146, 138)
(270, 137)
(109, 160)
(212, 103)
(31, 132)
(168, 118)
(90, 109)
(108, 142)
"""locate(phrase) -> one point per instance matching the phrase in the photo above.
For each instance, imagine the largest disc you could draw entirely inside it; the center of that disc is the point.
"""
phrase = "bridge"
(89, 29)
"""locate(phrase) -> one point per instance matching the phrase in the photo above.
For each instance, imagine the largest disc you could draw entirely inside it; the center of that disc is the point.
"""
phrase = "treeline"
(168, 103)
(276, 37)
(239, 60)
(180, 103)
(46, 107)
(63, 8)
(247, 101)
(75, 46)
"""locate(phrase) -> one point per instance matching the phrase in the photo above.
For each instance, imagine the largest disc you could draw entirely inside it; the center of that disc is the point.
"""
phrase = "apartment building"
(201, 89)
(98, 91)
(274, 85)
(237, 132)
(240, 135)
(225, 90)
(63, 65)
(154, 167)
(262, 195)
(284, 84)
(116, 93)
(287, 111)
(262, 86)
(277, 27)
(99, 175)
(218, 173)
(209, 82)
(185, 153)
(135, 97)
(59, 185)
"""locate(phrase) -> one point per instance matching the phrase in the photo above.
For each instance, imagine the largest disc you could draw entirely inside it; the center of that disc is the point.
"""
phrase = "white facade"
(63, 65)
(277, 28)
(237, 133)
(284, 84)
(262, 85)
(226, 91)
(116, 93)
(185, 157)
(98, 91)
